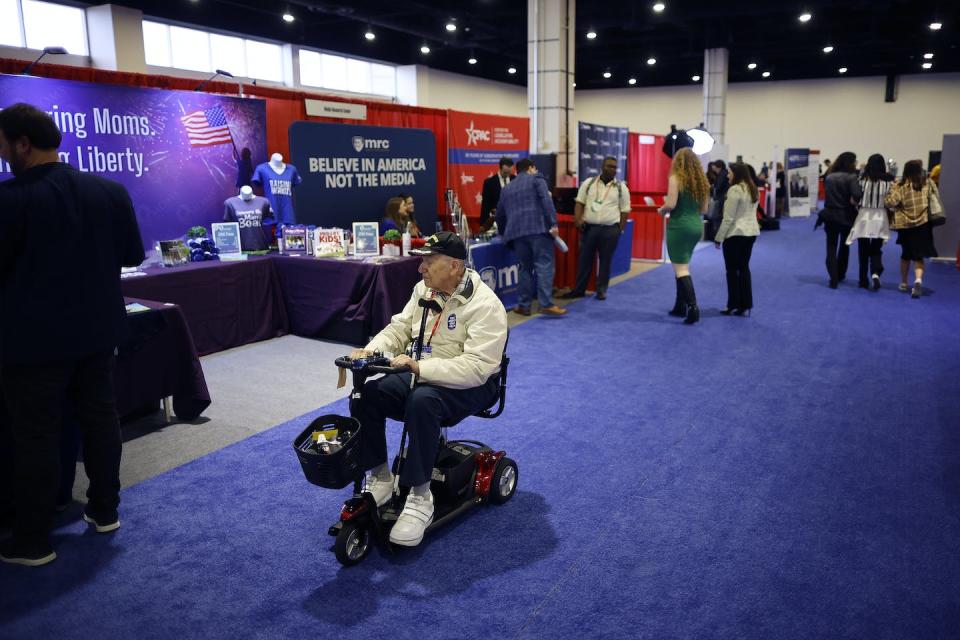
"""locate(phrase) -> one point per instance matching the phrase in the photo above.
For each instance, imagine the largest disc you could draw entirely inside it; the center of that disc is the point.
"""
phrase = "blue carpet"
(791, 475)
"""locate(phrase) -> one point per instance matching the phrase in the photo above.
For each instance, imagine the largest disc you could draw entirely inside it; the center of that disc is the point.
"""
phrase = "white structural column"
(115, 35)
(715, 66)
(550, 66)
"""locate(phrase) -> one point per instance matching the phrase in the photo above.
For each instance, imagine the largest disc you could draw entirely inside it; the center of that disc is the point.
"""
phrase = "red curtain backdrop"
(283, 107)
(647, 166)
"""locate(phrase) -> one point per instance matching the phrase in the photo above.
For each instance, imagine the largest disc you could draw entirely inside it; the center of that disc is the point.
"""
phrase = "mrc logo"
(501, 278)
(360, 143)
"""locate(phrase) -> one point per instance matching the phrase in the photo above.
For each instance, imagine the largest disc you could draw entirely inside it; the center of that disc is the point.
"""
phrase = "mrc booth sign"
(350, 171)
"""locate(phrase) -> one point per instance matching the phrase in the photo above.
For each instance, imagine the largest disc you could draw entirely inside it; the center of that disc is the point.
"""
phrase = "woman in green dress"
(688, 195)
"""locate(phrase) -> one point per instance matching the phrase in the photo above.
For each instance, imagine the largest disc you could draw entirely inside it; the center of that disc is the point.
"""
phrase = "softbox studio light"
(675, 140)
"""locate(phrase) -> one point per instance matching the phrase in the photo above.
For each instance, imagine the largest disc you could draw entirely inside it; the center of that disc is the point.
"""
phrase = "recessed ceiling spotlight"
(927, 65)
(928, 56)
(424, 49)
(828, 48)
(288, 17)
(370, 35)
(752, 66)
(451, 27)
(842, 69)
(591, 35)
(804, 17)
(659, 7)
(574, 85)
(765, 74)
(695, 78)
(512, 70)
(632, 81)
(936, 26)
(607, 74)
(651, 61)
(471, 61)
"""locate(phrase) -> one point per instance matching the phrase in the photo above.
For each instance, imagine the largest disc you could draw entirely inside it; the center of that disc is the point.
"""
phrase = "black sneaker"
(103, 525)
(13, 551)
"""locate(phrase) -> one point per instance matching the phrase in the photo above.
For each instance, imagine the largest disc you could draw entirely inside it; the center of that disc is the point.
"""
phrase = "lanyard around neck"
(598, 199)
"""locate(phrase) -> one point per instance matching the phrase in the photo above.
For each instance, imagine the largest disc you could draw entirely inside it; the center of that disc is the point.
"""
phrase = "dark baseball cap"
(444, 243)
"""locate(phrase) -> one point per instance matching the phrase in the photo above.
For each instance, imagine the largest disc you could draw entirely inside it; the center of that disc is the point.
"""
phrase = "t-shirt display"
(278, 189)
(250, 215)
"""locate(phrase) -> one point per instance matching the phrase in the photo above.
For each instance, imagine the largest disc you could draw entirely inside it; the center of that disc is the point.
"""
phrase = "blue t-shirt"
(278, 189)
(250, 215)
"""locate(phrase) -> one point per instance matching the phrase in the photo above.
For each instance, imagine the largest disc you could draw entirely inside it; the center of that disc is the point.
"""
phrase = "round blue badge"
(452, 321)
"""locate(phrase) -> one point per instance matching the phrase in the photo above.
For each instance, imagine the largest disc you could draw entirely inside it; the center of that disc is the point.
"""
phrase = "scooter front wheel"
(353, 544)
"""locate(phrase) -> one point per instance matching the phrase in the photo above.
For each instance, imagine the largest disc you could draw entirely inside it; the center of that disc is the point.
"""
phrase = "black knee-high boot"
(690, 297)
(679, 306)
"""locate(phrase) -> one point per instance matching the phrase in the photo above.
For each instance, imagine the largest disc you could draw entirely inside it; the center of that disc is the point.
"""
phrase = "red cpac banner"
(477, 142)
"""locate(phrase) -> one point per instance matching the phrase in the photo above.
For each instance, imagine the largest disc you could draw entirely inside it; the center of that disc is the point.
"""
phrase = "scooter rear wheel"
(352, 545)
(504, 482)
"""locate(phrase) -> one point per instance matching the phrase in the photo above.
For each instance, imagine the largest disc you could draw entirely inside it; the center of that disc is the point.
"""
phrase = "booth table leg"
(168, 409)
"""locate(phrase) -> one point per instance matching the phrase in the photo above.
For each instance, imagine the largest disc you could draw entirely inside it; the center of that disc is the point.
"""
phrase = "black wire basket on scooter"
(333, 468)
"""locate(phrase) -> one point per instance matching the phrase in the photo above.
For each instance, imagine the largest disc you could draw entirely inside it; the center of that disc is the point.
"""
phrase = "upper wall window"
(346, 74)
(196, 50)
(37, 25)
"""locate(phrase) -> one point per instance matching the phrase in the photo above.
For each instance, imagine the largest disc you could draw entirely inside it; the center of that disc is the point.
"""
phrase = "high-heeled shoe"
(741, 312)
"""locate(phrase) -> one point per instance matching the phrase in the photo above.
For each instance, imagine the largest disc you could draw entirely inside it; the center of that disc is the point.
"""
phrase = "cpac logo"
(475, 135)
(465, 179)
(359, 144)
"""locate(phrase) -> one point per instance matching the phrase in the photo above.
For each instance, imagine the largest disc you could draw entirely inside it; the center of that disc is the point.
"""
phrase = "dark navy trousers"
(425, 409)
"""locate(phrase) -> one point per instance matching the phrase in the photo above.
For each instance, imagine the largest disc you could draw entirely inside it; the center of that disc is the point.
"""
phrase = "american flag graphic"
(207, 127)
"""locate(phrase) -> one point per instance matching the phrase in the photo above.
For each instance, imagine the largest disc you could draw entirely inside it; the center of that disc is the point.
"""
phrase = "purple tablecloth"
(343, 300)
(226, 304)
(157, 360)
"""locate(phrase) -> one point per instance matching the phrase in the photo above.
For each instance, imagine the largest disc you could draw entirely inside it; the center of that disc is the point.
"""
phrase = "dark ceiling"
(874, 37)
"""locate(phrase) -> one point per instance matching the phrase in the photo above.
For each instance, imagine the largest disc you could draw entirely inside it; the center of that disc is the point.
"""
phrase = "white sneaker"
(416, 516)
(381, 490)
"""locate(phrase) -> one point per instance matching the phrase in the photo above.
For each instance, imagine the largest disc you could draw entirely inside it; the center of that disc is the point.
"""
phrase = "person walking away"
(911, 200)
(839, 212)
(871, 229)
(737, 233)
(688, 196)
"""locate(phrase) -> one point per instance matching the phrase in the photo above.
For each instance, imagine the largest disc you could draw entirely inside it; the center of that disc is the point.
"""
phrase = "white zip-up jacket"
(468, 344)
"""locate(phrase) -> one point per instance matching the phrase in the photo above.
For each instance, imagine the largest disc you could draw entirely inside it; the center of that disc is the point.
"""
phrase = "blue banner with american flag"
(207, 127)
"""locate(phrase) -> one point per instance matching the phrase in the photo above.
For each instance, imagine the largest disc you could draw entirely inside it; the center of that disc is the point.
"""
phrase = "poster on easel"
(797, 181)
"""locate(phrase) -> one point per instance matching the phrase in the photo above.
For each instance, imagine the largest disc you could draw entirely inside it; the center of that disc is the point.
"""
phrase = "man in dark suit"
(491, 193)
(64, 235)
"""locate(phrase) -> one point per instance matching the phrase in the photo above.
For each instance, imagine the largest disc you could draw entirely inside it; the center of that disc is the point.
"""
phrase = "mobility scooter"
(466, 473)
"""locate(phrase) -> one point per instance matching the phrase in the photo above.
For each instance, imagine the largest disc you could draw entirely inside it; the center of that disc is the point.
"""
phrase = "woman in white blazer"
(737, 233)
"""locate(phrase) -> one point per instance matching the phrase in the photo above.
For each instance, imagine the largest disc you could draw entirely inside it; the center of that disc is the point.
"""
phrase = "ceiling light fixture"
(842, 69)
(512, 70)
(451, 27)
(632, 81)
(927, 65)
(591, 35)
(659, 7)
(936, 26)
(607, 74)
(752, 66)
(928, 56)
(828, 48)
(370, 35)
(288, 17)
(695, 78)
(424, 49)
(651, 61)
(765, 74)
(804, 17)
(471, 60)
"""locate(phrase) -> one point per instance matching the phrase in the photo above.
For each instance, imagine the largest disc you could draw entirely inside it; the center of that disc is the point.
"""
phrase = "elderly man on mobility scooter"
(455, 377)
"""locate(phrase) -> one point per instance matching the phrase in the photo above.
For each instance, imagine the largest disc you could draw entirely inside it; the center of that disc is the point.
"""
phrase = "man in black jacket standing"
(64, 235)
(492, 187)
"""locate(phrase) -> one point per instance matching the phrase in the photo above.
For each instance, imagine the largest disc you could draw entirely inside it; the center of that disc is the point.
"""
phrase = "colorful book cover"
(328, 243)
(294, 238)
(366, 239)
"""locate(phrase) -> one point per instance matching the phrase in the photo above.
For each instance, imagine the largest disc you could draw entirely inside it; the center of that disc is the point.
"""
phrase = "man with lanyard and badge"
(455, 377)
(602, 207)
